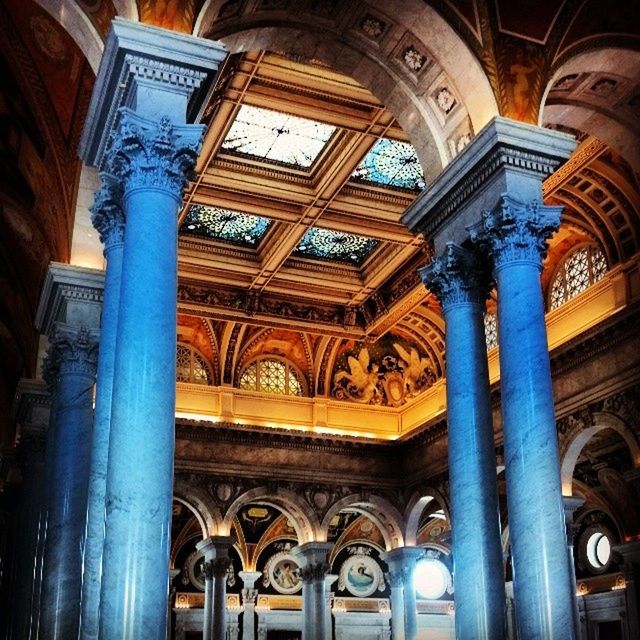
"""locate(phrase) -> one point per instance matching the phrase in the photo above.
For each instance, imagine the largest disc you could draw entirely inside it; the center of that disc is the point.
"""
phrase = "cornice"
(202, 431)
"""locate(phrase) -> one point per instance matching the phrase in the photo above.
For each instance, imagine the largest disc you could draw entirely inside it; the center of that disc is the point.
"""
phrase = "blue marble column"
(70, 370)
(108, 219)
(153, 160)
(31, 410)
(395, 581)
(462, 283)
(515, 235)
(216, 565)
(402, 563)
(312, 558)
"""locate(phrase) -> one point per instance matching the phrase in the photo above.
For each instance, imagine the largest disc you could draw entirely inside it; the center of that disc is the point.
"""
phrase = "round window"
(431, 578)
(598, 549)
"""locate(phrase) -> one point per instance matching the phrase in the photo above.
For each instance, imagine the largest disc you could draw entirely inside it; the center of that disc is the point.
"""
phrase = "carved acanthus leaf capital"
(456, 277)
(153, 154)
(107, 214)
(71, 351)
(314, 572)
(515, 231)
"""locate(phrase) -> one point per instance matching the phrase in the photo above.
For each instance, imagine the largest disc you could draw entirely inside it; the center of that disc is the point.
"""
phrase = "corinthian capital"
(515, 231)
(107, 214)
(71, 351)
(315, 571)
(456, 277)
(153, 154)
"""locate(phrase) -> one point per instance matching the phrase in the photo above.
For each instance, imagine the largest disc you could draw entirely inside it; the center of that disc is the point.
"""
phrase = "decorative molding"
(516, 231)
(457, 277)
(150, 154)
(107, 215)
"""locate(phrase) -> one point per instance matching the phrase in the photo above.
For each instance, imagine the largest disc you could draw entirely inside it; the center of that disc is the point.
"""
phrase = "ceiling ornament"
(327, 244)
(391, 163)
(225, 224)
(390, 381)
(276, 136)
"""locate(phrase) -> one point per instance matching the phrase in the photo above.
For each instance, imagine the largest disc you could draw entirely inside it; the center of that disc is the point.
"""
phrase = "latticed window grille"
(191, 366)
(269, 375)
(491, 329)
(583, 267)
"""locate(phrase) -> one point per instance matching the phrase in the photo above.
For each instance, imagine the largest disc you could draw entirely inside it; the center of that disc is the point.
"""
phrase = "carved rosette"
(71, 351)
(516, 231)
(314, 572)
(457, 277)
(153, 154)
(107, 214)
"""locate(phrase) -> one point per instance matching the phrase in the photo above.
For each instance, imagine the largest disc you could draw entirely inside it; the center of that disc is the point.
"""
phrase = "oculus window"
(583, 267)
(432, 579)
(225, 224)
(271, 375)
(391, 163)
(326, 244)
(276, 136)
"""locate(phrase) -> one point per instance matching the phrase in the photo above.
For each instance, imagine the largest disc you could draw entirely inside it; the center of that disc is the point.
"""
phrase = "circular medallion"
(195, 569)
(360, 575)
(284, 573)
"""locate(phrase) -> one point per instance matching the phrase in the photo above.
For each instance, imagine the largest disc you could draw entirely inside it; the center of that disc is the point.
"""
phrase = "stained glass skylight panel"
(391, 163)
(225, 224)
(276, 136)
(327, 244)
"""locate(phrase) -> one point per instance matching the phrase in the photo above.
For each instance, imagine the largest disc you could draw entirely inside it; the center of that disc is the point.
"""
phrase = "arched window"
(191, 366)
(583, 267)
(272, 375)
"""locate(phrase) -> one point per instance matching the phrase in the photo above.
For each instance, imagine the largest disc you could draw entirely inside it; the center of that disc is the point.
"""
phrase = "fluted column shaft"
(70, 370)
(461, 284)
(108, 219)
(515, 235)
(152, 160)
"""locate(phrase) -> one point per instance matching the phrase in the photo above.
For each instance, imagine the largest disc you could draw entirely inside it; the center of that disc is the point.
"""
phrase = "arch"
(76, 23)
(415, 507)
(579, 438)
(381, 511)
(571, 104)
(304, 520)
(342, 45)
(201, 504)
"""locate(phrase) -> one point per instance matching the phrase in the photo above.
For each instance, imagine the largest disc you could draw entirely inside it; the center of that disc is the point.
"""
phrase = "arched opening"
(596, 92)
(427, 519)
(378, 510)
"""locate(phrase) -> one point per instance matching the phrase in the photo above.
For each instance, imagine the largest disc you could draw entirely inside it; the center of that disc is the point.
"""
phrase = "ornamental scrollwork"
(71, 351)
(515, 231)
(458, 276)
(107, 215)
(157, 154)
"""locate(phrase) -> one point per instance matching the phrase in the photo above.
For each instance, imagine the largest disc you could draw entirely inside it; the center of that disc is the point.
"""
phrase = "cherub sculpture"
(363, 381)
(413, 366)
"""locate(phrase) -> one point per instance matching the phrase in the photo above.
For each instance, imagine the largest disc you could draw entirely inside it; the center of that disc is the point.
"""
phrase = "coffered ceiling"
(295, 212)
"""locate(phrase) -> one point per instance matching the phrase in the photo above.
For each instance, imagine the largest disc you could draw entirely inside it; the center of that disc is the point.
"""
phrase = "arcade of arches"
(319, 319)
